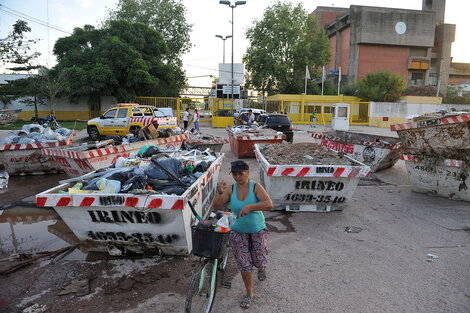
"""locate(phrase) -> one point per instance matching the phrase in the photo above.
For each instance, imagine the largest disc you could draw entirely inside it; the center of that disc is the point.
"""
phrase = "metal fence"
(299, 112)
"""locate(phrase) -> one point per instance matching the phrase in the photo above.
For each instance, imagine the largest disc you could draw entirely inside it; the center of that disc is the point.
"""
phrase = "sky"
(208, 17)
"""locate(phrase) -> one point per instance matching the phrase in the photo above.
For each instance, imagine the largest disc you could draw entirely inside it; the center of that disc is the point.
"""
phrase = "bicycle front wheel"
(202, 289)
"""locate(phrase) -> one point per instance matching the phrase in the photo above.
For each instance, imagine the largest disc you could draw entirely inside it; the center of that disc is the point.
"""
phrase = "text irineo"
(319, 185)
(113, 216)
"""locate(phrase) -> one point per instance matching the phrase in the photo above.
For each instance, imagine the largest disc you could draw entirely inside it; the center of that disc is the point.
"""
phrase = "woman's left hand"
(245, 210)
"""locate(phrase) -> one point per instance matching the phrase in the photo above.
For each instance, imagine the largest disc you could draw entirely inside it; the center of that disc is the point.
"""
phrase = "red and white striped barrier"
(162, 121)
(463, 118)
(445, 162)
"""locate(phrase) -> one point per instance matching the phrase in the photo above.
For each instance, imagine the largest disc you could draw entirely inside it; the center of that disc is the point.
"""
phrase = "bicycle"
(213, 248)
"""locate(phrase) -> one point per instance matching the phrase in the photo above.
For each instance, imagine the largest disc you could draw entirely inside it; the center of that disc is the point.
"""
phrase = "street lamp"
(233, 6)
(224, 38)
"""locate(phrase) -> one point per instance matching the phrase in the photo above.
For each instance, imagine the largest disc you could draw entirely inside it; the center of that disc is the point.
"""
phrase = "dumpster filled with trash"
(77, 161)
(141, 206)
(8, 116)
(308, 176)
(202, 142)
(447, 136)
(21, 150)
(436, 151)
(242, 139)
(378, 152)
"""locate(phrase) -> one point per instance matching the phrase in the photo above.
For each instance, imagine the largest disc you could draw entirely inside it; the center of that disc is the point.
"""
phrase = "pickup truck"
(129, 118)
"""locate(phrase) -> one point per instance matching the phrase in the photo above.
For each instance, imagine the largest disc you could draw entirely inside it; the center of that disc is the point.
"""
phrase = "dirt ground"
(371, 257)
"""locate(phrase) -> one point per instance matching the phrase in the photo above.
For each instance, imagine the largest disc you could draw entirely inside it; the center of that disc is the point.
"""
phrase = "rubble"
(303, 153)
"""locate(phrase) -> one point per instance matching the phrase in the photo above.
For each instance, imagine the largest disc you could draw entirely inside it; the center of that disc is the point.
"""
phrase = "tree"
(15, 49)
(376, 85)
(454, 95)
(122, 59)
(166, 16)
(282, 43)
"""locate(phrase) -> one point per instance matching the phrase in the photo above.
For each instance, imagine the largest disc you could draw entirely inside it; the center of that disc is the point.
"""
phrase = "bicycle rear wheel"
(202, 289)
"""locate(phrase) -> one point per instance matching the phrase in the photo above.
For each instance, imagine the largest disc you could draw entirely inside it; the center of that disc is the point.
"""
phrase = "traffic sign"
(238, 104)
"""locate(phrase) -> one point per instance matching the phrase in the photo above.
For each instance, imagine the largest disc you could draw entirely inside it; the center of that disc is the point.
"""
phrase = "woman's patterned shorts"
(250, 249)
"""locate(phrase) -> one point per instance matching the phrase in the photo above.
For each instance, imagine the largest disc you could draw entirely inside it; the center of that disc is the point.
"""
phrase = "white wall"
(399, 109)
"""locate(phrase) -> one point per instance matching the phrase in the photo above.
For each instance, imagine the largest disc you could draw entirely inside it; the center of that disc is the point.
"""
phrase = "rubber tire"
(93, 133)
(194, 285)
(135, 131)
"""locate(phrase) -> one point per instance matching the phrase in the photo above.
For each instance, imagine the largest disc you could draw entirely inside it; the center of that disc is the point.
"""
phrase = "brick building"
(416, 44)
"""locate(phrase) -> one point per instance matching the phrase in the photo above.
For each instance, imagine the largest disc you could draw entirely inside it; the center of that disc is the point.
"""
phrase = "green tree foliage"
(166, 16)
(376, 85)
(455, 95)
(16, 49)
(282, 43)
(123, 59)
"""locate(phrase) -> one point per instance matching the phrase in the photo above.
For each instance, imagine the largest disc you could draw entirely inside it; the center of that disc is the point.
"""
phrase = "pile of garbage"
(254, 130)
(198, 139)
(35, 133)
(153, 172)
(303, 153)
(433, 115)
(130, 138)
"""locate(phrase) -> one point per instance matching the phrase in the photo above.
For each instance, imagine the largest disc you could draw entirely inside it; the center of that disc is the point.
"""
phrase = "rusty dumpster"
(378, 152)
(242, 143)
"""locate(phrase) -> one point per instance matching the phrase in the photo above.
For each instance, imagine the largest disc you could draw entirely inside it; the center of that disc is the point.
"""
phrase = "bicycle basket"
(208, 244)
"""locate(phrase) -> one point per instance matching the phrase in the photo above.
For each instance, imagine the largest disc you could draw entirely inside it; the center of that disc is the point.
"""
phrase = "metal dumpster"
(242, 144)
(315, 188)
(135, 223)
(77, 161)
(438, 176)
(27, 159)
(448, 137)
(378, 152)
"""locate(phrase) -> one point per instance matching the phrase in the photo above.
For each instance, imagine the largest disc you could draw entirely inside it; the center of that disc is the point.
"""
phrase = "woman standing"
(249, 235)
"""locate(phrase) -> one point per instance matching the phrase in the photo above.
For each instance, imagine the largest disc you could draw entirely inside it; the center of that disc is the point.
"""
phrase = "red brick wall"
(344, 62)
(391, 58)
(328, 17)
(333, 53)
(455, 80)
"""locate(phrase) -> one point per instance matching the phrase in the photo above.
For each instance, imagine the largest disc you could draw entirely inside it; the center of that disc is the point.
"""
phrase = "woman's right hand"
(222, 186)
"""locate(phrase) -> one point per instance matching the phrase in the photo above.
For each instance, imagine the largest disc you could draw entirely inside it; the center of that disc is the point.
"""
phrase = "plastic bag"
(150, 151)
(109, 186)
(223, 224)
(135, 182)
(172, 165)
(26, 140)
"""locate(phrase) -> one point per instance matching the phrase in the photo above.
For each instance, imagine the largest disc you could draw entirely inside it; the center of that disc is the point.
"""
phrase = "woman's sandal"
(246, 302)
(261, 275)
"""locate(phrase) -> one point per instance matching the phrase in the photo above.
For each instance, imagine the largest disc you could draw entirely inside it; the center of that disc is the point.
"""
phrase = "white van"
(255, 111)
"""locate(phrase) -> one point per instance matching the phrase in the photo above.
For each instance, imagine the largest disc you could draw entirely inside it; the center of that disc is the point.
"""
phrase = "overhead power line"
(31, 19)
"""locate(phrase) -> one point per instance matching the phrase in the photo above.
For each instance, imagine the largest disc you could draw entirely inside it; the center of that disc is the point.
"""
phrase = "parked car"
(277, 122)
(255, 111)
(243, 118)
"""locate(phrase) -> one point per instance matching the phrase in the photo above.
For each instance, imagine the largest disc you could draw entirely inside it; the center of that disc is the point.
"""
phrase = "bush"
(376, 85)
(453, 96)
